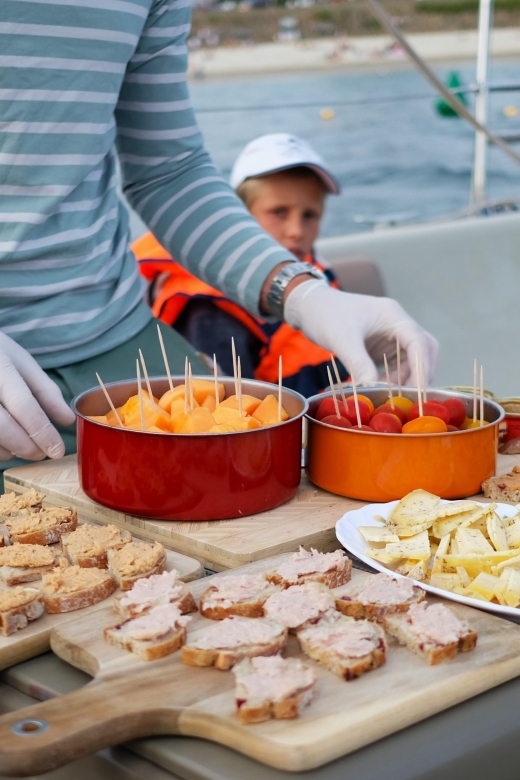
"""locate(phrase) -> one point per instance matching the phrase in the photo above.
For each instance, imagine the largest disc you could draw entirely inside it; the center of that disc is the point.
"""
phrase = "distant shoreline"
(343, 53)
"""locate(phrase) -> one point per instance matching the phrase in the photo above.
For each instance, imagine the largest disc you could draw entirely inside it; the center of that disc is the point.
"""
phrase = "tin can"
(511, 407)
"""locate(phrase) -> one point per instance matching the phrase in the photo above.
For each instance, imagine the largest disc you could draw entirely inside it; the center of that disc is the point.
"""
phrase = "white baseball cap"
(278, 152)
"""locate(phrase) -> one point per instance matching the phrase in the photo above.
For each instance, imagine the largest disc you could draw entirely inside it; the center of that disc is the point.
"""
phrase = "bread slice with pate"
(272, 687)
(68, 588)
(345, 646)
(89, 544)
(17, 607)
(21, 563)
(300, 605)
(43, 527)
(241, 594)
(19, 504)
(432, 632)
(503, 488)
(332, 569)
(155, 591)
(159, 633)
(228, 641)
(134, 561)
(378, 595)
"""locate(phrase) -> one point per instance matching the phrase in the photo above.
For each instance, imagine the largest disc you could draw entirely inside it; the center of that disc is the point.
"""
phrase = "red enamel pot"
(188, 476)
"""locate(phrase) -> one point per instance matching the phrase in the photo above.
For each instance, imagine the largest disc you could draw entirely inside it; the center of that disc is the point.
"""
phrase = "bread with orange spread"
(18, 504)
(21, 563)
(136, 560)
(68, 588)
(331, 569)
(89, 544)
(161, 632)
(43, 527)
(17, 607)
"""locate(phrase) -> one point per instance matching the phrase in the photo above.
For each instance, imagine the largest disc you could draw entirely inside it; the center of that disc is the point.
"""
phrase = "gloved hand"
(27, 399)
(359, 329)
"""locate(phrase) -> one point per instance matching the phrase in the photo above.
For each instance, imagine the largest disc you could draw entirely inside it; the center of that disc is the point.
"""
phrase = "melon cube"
(199, 420)
(267, 411)
(249, 403)
(223, 414)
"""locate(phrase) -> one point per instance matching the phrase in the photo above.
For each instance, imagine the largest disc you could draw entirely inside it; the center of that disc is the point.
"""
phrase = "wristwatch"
(280, 282)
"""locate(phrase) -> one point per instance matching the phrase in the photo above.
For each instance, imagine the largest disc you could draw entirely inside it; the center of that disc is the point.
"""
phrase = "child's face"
(290, 210)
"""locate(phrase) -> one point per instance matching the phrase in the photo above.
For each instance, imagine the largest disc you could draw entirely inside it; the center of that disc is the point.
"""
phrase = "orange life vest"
(178, 286)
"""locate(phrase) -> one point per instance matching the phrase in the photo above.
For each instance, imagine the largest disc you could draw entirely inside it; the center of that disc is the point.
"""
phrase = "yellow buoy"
(510, 111)
(327, 114)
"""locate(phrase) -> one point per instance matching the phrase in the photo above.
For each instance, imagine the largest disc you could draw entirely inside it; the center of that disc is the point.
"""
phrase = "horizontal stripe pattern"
(82, 81)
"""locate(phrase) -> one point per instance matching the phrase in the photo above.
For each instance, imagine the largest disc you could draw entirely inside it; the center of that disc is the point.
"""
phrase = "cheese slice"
(478, 518)
(404, 531)
(445, 581)
(416, 507)
(416, 547)
(513, 534)
(474, 563)
(471, 540)
(381, 555)
(497, 532)
(510, 596)
(510, 563)
(447, 525)
(442, 549)
(488, 585)
(372, 533)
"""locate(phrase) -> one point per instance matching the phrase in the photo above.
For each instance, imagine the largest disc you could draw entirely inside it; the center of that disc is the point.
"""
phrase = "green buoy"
(453, 82)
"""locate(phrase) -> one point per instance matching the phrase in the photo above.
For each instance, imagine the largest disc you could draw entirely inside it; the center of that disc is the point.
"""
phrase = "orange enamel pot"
(383, 467)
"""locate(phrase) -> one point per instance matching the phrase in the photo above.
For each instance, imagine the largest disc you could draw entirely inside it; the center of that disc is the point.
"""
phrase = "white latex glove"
(360, 329)
(27, 399)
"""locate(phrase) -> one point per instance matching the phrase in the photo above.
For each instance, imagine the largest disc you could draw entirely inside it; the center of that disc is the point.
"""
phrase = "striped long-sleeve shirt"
(80, 79)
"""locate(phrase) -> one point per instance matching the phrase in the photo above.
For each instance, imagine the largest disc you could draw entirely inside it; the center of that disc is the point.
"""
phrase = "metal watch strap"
(280, 282)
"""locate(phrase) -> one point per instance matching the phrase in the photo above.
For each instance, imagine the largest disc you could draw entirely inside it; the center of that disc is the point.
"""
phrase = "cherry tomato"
(338, 422)
(386, 423)
(350, 412)
(469, 423)
(403, 403)
(428, 424)
(452, 428)
(456, 411)
(396, 411)
(362, 428)
(327, 408)
(429, 410)
(365, 400)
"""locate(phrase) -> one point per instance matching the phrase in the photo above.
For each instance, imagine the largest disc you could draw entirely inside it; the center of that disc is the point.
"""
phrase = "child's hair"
(248, 190)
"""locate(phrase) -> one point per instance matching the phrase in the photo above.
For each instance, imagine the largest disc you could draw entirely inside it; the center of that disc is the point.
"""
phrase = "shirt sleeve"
(169, 178)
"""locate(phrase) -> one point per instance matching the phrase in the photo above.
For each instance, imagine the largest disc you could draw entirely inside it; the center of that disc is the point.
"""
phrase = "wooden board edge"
(29, 648)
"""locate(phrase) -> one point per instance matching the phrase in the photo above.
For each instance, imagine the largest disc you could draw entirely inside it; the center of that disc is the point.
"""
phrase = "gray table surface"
(476, 739)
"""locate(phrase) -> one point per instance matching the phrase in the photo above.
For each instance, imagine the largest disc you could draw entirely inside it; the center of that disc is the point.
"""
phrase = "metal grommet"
(29, 727)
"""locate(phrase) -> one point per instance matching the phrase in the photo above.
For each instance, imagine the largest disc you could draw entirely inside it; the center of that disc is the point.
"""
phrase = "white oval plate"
(349, 536)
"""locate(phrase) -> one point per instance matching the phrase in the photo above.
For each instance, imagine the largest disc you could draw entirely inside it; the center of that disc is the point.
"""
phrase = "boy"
(284, 184)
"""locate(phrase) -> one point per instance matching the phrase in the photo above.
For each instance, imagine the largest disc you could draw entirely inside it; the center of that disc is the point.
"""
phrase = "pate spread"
(313, 562)
(26, 556)
(91, 539)
(136, 558)
(36, 521)
(509, 481)
(272, 678)
(235, 632)
(346, 637)
(153, 591)
(298, 604)
(71, 579)
(156, 624)
(11, 503)
(435, 623)
(16, 597)
(239, 589)
(382, 589)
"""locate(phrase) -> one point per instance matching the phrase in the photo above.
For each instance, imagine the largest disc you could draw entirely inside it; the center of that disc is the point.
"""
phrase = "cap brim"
(332, 185)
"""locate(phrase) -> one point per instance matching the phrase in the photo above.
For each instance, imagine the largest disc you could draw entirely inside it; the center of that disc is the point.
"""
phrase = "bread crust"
(147, 650)
(69, 602)
(12, 575)
(376, 612)
(186, 604)
(226, 659)
(47, 535)
(215, 611)
(432, 653)
(17, 618)
(127, 583)
(279, 710)
(347, 668)
(95, 560)
(332, 579)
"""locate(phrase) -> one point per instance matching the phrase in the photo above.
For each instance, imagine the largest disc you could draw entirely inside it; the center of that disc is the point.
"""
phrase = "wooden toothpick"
(239, 385)
(424, 382)
(333, 391)
(215, 374)
(280, 389)
(234, 364)
(113, 408)
(390, 394)
(419, 396)
(475, 390)
(481, 396)
(166, 364)
(145, 372)
(398, 347)
(140, 394)
(338, 379)
(354, 391)
(190, 380)
(186, 386)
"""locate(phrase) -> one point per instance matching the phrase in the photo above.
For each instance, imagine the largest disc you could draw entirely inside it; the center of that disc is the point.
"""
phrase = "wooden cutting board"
(131, 698)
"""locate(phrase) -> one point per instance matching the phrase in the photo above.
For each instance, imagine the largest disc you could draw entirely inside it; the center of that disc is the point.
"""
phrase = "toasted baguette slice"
(242, 595)
(17, 607)
(68, 588)
(300, 605)
(228, 641)
(378, 595)
(155, 635)
(43, 527)
(503, 488)
(272, 687)
(345, 646)
(17, 505)
(155, 591)
(432, 632)
(331, 569)
(134, 561)
(88, 545)
(20, 563)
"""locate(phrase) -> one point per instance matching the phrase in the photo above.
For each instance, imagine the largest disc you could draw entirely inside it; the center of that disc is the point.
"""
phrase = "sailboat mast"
(478, 184)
